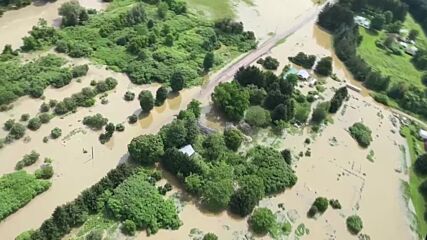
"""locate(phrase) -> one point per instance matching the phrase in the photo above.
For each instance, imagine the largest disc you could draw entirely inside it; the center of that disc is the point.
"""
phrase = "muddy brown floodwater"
(370, 189)
(14, 25)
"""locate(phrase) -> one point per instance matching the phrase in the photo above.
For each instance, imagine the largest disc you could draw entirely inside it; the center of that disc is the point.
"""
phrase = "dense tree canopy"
(262, 220)
(146, 149)
(231, 99)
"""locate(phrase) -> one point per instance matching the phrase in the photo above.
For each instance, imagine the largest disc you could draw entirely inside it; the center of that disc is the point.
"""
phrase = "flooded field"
(14, 25)
(340, 171)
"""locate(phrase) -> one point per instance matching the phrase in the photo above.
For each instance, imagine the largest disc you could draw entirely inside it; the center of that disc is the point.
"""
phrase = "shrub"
(320, 113)
(45, 118)
(55, 133)
(146, 149)
(161, 95)
(27, 160)
(210, 236)
(423, 189)
(361, 133)
(80, 71)
(128, 228)
(301, 59)
(9, 124)
(45, 172)
(25, 117)
(129, 96)
(287, 156)
(335, 204)
(354, 224)
(95, 235)
(257, 116)
(420, 165)
(96, 121)
(120, 127)
(324, 66)
(17, 131)
(321, 203)
(146, 101)
(381, 98)
(269, 63)
(34, 123)
(262, 220)
(132, 119)
(44, 107)
(233, 139)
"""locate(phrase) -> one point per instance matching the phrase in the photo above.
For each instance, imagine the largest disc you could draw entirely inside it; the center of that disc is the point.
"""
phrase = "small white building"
(303, 74)
(423, 134)
(362, 21)
(188, 150)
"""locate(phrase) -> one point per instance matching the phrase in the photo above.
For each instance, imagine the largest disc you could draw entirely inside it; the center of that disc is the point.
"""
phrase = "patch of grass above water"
(217, 9)
(415, 148)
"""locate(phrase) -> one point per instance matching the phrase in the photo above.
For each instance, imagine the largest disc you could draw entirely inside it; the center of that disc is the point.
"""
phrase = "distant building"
(188, 150)
(362, 21)
(303, 74)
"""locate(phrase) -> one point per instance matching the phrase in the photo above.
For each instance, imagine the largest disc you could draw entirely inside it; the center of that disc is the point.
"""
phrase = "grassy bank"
(216, 9)
(399, 68)
(416, 147)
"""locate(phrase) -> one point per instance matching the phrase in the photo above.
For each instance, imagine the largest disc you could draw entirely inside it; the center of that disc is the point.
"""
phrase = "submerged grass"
(415, 148)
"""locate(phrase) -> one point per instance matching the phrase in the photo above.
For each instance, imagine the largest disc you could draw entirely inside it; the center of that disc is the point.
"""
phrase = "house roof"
(187, 150)
(303, 74)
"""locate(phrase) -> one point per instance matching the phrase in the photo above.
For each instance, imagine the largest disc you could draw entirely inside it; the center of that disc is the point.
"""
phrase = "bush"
(301, 59)
(44, 107)
(210, 236)
(96, 121)
(45, 172)
(146, 149)
(320, 113)
(354, 224)
(34, 123)
(129, 96)
(257, 116)
(120, 127)
(420, 165)
(321, 203)
(25, 117)
(423, 189)
(146, 101)
(55, 133)
(95, 235)
(233, 139)
(161, 95)
(269, 63)
(27, 160)
(381, 98)
(335, 204)
(45, 118)
(262, 220)
(17, 131)
(287, 156)
(128, 228)
(9, 124)
(361, 133)
(132, 119)
(80, 71)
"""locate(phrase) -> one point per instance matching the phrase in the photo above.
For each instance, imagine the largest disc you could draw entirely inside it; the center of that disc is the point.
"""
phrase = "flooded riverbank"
(15, 24)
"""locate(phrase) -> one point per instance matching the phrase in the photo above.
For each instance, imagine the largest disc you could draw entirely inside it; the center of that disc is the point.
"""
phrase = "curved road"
(228, 72)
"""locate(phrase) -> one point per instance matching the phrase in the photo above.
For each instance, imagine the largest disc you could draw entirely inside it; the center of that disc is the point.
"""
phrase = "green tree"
(146, 149)
(161, 95)
(209, 61)
(34, 123)
(361, 133)
(287, 156)
(177, 81)
(194, 107)
(420, 165)
(377, 23)
(258, 117)
(284, 112)
(56, 133)
(214, 146)
(146, 101)
(218, 188)
(245, 199)
(72, 13)
(262, 220)
(324, 66)
(354, 224)
(17, 131)
(320, 113)
(321, 204)
(232, 99)
(162, 9)
(233, 139)
(95, 235)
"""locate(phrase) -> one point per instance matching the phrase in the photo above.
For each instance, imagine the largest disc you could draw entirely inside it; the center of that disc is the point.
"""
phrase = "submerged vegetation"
(17, 189)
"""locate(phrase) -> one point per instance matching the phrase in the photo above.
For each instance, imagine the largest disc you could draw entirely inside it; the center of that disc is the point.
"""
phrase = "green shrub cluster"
(303, 60)
(354, 224)
(96, 121)
(17, 189)
(27, 160)
(361, 133)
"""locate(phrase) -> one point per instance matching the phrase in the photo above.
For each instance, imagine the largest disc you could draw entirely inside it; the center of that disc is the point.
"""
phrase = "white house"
(188, 150)
(423, 134)
(303, 74)
(362, 21)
